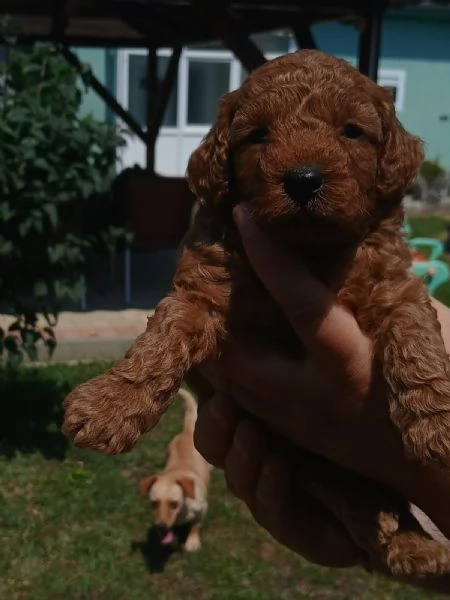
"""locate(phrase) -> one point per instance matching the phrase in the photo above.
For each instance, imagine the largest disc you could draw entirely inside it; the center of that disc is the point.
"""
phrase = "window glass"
(276, 42)
(208, 80)
(137, 90)
(392, 89)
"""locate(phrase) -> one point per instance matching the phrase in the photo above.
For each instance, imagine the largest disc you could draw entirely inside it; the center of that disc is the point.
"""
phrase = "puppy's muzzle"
(303, 183)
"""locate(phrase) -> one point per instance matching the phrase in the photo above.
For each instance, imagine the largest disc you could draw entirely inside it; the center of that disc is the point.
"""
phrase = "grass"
(72, 525)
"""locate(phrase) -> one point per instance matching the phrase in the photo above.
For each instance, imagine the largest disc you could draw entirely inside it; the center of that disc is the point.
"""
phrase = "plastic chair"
(406, 229)
(435, 247)
(440, 275)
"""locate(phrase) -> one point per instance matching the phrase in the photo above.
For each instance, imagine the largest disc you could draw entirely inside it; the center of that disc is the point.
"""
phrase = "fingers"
(297, 521)
(215, 427)
(263, 480)
(266, 386)
(320, 322)
(243, 459)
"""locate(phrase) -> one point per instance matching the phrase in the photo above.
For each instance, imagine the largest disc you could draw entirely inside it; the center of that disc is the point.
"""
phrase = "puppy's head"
(312, 146)
(167, 497)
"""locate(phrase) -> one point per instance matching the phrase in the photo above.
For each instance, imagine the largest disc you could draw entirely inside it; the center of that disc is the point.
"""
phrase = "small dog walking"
(178, 496)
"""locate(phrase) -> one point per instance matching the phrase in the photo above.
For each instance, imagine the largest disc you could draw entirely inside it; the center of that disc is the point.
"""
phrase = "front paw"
(192, 543)
(103, 414)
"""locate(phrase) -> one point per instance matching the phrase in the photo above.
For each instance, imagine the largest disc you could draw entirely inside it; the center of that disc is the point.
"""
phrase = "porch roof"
(119, 23)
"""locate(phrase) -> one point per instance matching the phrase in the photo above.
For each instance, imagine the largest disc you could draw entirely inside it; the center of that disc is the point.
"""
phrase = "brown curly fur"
(350, 237)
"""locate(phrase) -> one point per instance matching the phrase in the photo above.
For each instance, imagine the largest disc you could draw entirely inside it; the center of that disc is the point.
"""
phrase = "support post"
(230, 32)
(162, 98)
(303, 37)
(370, 39)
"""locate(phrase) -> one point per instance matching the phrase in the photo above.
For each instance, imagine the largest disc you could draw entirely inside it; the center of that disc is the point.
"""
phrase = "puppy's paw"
(107, 414)
(193, 543)
(417, 556)
(427, 439)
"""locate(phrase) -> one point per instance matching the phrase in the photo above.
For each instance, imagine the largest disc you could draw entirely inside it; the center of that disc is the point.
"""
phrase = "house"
(415, 66)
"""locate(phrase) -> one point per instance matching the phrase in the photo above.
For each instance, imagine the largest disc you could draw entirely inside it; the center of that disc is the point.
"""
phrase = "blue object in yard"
(406, 229)
(440, 273)
(435, 247)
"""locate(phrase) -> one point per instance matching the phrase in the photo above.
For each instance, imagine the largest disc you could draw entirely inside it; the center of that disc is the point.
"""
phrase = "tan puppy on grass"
(178, 496)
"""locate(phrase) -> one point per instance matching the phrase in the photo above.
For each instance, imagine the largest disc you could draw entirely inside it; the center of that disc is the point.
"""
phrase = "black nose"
(303, 183)
(161, 528)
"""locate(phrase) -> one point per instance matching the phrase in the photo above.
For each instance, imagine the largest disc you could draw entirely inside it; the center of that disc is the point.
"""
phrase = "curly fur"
(289, 112)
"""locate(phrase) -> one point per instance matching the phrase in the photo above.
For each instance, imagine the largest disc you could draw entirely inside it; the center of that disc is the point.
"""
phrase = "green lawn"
(72, 525)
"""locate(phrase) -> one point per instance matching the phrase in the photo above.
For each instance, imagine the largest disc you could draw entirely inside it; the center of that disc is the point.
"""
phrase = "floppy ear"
(401, 155)
(146, 483)
(187, 485)
(208, 170)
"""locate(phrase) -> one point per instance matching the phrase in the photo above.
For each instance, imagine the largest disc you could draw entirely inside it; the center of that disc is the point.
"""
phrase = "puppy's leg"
(378, 520)
(416, 368)
(110, 412)
(193, 543)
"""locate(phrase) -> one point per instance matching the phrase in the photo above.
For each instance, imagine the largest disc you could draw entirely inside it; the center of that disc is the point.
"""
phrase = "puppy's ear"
(145, 484)
(187, 485)
(208, 170)
(401, 154)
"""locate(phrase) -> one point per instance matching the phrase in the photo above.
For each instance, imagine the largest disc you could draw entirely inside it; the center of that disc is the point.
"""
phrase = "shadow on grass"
(31, 414)
(154, 554)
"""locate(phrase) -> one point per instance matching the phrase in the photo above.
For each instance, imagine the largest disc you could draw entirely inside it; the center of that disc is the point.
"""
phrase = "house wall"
(420, 46)
(96, 59)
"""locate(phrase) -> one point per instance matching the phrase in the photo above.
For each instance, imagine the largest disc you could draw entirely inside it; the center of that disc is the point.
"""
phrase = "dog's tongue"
(169, 538)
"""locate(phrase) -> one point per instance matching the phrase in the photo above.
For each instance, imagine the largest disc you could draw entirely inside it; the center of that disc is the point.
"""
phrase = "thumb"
(320, 322)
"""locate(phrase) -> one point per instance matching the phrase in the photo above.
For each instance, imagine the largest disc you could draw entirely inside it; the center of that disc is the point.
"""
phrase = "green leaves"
(55, 164)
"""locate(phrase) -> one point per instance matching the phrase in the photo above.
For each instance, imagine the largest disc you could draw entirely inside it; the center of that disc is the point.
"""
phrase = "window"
(137, 86)
(207, 81)
(394, 82)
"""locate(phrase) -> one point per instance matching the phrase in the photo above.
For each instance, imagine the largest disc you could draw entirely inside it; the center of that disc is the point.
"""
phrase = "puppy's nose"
(303, 183)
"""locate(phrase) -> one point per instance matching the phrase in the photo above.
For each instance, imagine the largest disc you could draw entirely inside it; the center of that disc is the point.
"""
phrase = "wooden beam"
(144, 22)
(370, 39)
(230, 32)
(162, 99)
(91, 81)
(304, 37)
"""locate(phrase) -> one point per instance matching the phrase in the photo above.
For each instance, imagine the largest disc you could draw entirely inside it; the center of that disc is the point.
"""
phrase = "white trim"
(394, 78)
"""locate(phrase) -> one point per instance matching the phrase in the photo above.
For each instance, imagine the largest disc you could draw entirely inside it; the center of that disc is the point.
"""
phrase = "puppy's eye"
(155, 503)
(173, 505)
(352, 131)
(257, 136)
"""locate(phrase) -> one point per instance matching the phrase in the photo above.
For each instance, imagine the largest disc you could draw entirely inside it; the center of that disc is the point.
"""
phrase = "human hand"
(333, 403)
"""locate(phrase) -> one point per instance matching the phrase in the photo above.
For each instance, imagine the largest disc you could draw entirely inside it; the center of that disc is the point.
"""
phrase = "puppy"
(178, 496)
(315, 152)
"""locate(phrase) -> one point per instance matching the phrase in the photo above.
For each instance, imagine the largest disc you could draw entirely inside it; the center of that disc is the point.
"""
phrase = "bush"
(53, 163)
(431, 170)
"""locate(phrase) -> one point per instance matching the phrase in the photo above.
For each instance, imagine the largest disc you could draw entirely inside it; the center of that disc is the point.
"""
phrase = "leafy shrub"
(431, 170)
(54, 163)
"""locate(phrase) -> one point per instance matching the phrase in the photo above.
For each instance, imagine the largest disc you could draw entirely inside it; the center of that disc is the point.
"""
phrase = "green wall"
(96, 58)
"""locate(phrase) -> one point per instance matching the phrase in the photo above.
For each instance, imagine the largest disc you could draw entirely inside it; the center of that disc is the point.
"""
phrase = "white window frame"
(122, 84)
(182, 126)
(213, 56)
(394, 78)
